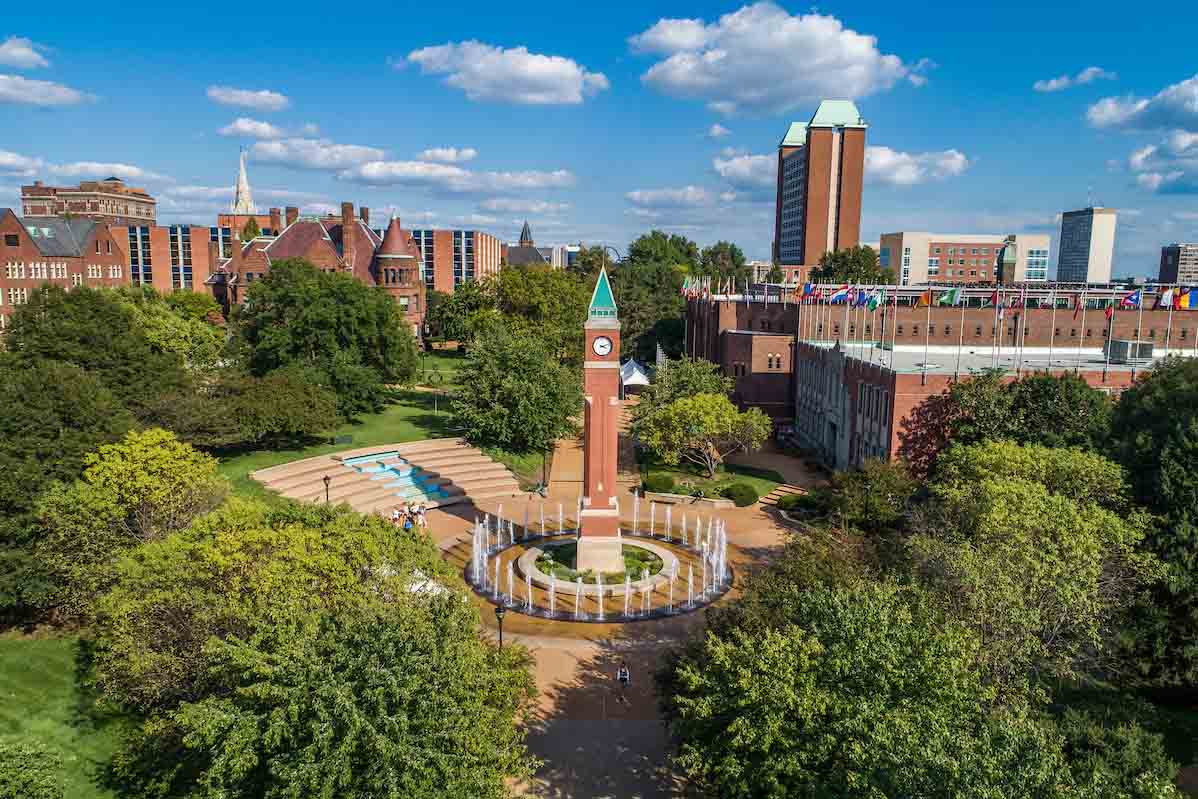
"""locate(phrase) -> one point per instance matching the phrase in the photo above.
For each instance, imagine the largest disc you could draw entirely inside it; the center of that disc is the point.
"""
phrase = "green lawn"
(417, 416)
(525, 465)
(446, 363)
(40, 701)
(764, 480)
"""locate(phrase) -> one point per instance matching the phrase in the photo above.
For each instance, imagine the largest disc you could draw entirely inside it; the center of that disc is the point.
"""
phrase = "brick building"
(345, 244)
(108, 200)
(166, 257)
(453, 257)
(965, 258)
(1179, 264)
(821, 167)
(60, 251)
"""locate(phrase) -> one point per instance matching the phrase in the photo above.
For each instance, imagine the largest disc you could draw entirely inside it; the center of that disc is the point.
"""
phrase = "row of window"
(962, 251)
(56, 271)
(773, 361)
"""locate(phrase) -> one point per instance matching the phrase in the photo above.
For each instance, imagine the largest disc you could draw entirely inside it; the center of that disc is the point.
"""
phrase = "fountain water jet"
(627, 592)
(690, 586)
(552, 595)
(528, 591)
(578, 598)
(599, 579)
(669, 522)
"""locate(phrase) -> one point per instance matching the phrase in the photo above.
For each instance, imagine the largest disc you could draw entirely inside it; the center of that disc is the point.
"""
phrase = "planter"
(711, 503)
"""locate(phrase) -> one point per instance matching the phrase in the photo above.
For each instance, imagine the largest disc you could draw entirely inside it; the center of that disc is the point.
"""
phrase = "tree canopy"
(677, 379)
(852, 265)
(724, 261)
(703, 429)
(649, 296)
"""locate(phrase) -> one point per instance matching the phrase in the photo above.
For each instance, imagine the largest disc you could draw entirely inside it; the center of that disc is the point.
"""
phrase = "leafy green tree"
(862, 691)
(1043, 580)
(29, 770)
(450, 316)
(549, 304)
(175, 327)
(590, 260)
(874, 497)
(250, 230)
(852, 265)
(97, 332)
(1154, 434)
(703, 429)
(649, 296)
(51, 415)
(141, 489)
(724, 261)
(240, 570)
(775, 275)
(194, 305)
(677, 379)
(513, 393)
(1114, 759)
(299, 316)
(664, 248)
(1059, 411)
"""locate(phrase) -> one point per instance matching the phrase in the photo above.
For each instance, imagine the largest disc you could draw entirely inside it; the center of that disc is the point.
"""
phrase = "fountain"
(528, 591)
(560, 517)
(690, 586)
(542, 518)
(684, 528)
(698, 529)
(653, 519)
(627, 592)
(669, 523)
(636, 514)
(524, 530)
(703, 594)
(495, 588)
(578, 598)
(552, 595)
(599, 578)
(511, 587)
(511, 532)
(646, 587)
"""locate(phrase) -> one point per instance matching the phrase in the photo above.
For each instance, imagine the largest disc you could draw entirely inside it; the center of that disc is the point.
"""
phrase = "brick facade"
(107, 200)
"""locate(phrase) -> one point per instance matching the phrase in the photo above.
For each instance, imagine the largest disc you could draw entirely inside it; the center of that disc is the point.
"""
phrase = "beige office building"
(1087, 246)
(1179, 264)
(917, 258)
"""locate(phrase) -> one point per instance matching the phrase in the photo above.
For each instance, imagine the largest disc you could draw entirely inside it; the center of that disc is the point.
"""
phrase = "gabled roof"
(796, 135)
(59, 237)
(837, 114)
(298, 239)
(603, 303)
(523, 256)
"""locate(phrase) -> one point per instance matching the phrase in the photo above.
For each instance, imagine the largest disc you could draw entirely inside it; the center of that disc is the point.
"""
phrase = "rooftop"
(837, 114)
(944, 360)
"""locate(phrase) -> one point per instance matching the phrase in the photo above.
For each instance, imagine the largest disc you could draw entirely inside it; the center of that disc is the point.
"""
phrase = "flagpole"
(961, 336)
(1020, 323)
(927, 334)
(1139, 331)
(1110, 328)
(994, 331)
(1052, 332)
(1173, 297)
(1081, 331)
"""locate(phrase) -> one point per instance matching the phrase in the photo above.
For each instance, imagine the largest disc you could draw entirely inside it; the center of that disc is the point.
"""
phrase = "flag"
(950, 297)
(841, 294)
(1131, 299)
(993, 301)
(876, 299)
(1002, 310)
(925, 299)
(1187, 300)
(1077, 305)
(1165, 299)
(808, 289)
(1110, 310)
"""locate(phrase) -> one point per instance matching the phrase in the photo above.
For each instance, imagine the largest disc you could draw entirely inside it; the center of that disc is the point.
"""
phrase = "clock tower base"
(600, 554)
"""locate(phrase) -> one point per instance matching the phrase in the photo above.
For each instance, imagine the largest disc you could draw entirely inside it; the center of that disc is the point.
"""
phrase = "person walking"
(624, 677)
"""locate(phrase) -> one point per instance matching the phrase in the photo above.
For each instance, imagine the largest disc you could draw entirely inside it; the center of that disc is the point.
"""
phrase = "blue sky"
(597, 126)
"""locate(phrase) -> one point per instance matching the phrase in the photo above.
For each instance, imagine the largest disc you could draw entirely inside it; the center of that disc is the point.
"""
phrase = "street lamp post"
(500, 612)
(327, 480)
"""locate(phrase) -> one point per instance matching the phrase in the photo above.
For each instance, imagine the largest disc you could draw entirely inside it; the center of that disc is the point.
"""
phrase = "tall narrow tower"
(243, 201)
(599, 547)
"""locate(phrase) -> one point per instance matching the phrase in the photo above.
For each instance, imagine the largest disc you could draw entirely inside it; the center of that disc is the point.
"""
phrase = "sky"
(600, 124)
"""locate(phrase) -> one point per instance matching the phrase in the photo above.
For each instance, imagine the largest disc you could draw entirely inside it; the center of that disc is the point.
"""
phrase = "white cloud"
(683, 197)
(643, 213)
(1174, 107)
(258, 99)
(760, 58)
(17, 165)
(1170, 167)
(22, 53)
(513, 75)
(452, 178)
(448, 154)
(222, 192)
(884, 165)
(314, 153)
(99, 169)
(748, 171)
(310, 129)
(252, 128)
(1139, 159)
(518, 206)
(45, 93)
(727, 196)
(717, 131)
(1087, 75)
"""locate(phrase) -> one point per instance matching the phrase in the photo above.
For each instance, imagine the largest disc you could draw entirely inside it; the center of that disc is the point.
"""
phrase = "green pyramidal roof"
(603, 304)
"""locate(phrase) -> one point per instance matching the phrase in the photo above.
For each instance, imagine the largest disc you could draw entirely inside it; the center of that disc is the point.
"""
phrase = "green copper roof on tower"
(603, 304)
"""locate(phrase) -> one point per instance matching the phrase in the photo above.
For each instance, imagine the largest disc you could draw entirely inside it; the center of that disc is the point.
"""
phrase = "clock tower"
(599, 545)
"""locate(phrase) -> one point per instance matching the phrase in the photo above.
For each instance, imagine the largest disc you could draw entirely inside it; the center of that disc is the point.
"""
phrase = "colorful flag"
(1131, 299)
(1187, 300)
(950, 297)
(1165, 299)
(992, 301)
(876, 299)
(1110, 310)
(1077, 305)
(841, 294)
(924, 300)
(808, 289)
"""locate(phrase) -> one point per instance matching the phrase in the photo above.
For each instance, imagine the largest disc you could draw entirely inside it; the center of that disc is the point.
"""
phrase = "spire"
(603, 304)
(243, 202)
(393, 239)
(526, 235)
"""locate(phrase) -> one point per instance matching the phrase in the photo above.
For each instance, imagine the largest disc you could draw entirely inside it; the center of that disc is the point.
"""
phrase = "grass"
(525, 465)
(636, 560)
(417, 416)
(763, 480)
(40, 701)
(446, 363)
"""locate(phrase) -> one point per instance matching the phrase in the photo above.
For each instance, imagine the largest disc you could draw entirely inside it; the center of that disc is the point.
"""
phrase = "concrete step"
(500, 493)
(782, 491)
(472, 473)
(296, 470)
(442, 462)
(386, 503)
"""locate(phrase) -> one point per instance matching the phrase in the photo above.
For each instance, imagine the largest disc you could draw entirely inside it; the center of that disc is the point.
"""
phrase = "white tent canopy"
(633, 374)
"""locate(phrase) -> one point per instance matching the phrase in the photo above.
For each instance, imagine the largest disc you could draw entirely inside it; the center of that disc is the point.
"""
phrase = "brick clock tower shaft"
(599, 546)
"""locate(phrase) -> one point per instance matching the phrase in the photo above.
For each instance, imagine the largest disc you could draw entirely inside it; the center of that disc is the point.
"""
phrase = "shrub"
(797, 502)
(29, 770)
(742, 494)
(660, 483)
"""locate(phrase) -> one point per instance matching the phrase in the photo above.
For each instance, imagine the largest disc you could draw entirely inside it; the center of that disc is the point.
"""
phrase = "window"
(97, 246)
(985, 251)
(3, 321)
(952, 251)
(18, 296)
(900, 330)
(77, 279)
(1073, 332)
(977, 331)
(884, 257)
(108, 246)
(948, 330)
(915, 330)
(974, 251)
(12, 240)
(1087, 332)
(936, 250)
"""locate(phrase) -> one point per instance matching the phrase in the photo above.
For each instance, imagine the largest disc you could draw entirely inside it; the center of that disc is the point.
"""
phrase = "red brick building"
(166, 257)
(108, 200)
(453, 257)
(344, 244)
(65, 252)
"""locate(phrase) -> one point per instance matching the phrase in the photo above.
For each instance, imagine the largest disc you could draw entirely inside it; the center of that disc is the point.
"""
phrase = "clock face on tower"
(601, 345)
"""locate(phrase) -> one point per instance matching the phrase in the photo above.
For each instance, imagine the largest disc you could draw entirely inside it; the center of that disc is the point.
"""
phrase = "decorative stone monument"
(599, 546)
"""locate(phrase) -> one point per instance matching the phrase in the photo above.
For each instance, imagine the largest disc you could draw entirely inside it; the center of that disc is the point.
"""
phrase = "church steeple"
(243, 201)
(526, 235)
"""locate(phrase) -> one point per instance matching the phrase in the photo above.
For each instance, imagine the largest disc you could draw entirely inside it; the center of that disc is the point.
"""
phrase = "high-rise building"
(1179, 264)
(454, 257)
(108, 200)
(821, 167)
(917, 258)
(1087, 246)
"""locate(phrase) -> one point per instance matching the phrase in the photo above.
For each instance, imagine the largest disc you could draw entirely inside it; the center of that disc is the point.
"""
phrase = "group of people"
(409, 516)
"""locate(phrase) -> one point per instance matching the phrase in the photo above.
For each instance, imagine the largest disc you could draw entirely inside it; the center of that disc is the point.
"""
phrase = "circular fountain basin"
(527, 566)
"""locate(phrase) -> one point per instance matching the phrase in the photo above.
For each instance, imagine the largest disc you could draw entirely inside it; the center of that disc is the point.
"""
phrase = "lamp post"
(327, 480)
(500, 612)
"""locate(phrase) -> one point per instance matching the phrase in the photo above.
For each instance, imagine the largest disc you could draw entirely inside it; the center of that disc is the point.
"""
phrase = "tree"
(51, 415)
(449, 316)
(549, 304)
(1154, 434)
(400, 699)
(590, 260)
(299, 316)
(649, 296)
(724, 261)
(664, 248)
(703, 429)
(514, 394)
(183, 327)
(1060, 411)
(141, 489)
(861, 691)
(873, 498)
(29, 770)
(250, 230)
(775, 275)
(852, 265)
(674, 380)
